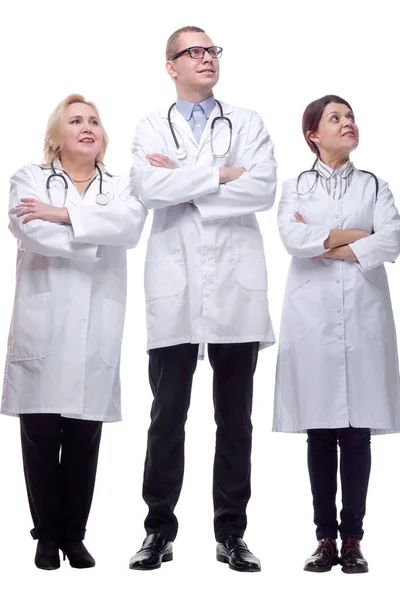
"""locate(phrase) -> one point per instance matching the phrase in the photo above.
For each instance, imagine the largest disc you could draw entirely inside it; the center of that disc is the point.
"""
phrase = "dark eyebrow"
(335, 112)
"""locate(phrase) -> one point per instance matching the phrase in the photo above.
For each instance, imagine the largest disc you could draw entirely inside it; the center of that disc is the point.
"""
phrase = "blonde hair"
(172, 43)
(57, 119)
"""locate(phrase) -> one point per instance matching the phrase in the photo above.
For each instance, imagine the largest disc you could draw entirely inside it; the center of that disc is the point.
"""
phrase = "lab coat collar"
(227, 109)
(57, 165)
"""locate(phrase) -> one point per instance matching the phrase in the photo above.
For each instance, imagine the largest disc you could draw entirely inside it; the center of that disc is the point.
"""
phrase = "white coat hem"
(377, 429)
(265, 341)
(58, 411)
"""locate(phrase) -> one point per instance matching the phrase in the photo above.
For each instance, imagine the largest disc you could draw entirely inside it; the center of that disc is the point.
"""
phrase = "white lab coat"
(337, 362)
(205, 272)
(66, 332)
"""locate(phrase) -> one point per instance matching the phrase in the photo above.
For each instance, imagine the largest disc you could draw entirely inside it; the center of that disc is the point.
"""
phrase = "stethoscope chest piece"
(181, 153)
(102, 199)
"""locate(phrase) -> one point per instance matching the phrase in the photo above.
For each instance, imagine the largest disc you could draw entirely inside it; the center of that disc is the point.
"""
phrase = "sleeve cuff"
(362, 250)
(76, 228)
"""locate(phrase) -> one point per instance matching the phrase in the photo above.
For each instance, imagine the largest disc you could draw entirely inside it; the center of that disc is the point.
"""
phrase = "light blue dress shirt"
(196, 114)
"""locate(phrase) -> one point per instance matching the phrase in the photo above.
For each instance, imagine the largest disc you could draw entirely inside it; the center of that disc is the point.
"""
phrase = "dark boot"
(324, 558)
(351, 557)
(78, 556)
(47, 555)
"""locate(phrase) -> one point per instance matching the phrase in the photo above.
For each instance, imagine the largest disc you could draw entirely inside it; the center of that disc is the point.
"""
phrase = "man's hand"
(159, 160)
(227, 174)
(41, 210)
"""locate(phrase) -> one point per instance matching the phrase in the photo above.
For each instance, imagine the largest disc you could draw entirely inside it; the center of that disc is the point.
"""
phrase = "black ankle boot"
(47, 555)
(78, 556)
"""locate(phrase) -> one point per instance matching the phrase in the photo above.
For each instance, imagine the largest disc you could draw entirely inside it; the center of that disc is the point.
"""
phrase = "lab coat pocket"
(32, 327)
(373, 303)
(165, 273)
(112, 329)
(251, 271)
(301, 315)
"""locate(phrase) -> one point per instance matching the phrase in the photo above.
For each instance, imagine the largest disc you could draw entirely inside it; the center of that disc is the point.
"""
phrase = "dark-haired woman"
(337, 372)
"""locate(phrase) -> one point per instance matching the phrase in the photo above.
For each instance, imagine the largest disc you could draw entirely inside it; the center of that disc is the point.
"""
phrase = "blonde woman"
(73, 222)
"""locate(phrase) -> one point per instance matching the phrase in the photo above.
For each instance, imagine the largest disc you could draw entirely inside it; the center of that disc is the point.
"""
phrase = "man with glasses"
(205, 168)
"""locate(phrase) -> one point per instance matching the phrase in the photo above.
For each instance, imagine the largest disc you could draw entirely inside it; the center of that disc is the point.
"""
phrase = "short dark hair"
(312, 117)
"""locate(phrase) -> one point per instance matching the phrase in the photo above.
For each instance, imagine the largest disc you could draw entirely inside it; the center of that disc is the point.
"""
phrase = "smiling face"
(337, 133)
(82, 134)
(194, 78)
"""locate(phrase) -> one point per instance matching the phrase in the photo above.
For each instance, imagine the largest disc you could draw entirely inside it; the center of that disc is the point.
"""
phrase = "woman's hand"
(340, 253)
(41, 210)
(299, 218)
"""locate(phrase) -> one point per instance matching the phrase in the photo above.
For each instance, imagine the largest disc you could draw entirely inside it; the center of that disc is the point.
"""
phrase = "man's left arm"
(255, 189)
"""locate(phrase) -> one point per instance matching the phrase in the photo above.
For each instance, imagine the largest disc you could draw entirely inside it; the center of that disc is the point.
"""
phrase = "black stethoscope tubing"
(55, 174)
(220, 117)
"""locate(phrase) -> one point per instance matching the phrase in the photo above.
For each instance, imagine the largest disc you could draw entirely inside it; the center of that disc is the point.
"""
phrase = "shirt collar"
(326, 172)
(186, 108)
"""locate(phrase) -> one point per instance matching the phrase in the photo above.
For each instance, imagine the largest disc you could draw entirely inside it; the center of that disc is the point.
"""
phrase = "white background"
(277, 58)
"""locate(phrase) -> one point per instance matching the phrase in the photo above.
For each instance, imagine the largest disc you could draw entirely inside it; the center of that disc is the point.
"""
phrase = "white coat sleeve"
(254, 190)
(300, 239)
(42, 237)
(159, 187)
(384, 244)
(119, 223)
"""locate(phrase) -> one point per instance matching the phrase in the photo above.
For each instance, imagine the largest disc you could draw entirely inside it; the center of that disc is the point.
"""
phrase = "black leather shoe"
(78, 556)
(47, 556)
(155, 550)
(233, 551)
(324, 558)
(351, 557)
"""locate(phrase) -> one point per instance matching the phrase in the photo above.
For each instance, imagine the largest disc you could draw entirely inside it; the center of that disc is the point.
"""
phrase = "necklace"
(83, 180)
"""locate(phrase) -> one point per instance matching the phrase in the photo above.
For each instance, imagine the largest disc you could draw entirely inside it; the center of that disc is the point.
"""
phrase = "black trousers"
(171, 372)
(60, 462)
(355, 467)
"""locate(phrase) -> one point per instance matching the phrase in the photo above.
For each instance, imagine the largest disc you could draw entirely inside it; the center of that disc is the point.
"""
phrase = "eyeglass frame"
(182, 52)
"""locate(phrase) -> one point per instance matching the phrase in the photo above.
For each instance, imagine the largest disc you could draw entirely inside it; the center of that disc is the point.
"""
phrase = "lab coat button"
(340, 337)
(337, 280)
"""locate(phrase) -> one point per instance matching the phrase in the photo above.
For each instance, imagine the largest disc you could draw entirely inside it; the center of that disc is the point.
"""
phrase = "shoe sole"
(165, 558)
(354, 571)
(225, 560)
(48, 568)
(321, 570)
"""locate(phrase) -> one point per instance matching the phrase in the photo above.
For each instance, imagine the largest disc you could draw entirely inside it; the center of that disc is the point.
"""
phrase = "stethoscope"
(316, 176)
(181, 152)
(100, 198)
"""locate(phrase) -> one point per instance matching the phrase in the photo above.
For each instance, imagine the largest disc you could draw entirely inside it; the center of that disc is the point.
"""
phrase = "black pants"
(355, 467)
(171, 372)
(60, 485)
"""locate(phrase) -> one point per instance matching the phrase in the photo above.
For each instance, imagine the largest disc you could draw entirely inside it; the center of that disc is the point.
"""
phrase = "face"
(337, 132)
(199, 75)
(82, 134)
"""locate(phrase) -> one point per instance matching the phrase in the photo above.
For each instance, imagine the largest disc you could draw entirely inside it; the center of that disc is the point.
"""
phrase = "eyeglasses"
(198, 52)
